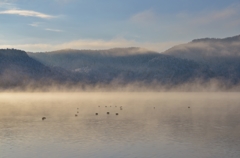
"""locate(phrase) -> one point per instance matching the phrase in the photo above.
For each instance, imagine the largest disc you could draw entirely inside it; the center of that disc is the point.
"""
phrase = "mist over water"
(153, 124)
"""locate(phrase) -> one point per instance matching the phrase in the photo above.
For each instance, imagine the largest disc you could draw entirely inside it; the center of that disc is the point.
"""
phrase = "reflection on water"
(208, 128)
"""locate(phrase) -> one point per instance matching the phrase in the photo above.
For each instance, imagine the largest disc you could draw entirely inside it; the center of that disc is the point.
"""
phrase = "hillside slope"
(222, 56)
(17, 68)
(125, 65)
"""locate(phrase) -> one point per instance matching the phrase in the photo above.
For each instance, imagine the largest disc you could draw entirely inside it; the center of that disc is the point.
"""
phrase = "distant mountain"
(17, 68)
(202, 49)
(179, 65)
(125, 65)
(83, 60)
(222, 56)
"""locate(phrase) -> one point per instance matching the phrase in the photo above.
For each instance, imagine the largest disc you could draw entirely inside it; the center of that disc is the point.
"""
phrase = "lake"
(148, 125)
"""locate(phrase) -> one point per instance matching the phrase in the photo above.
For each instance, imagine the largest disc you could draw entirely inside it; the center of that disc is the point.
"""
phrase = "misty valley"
(119, 79)
(202, 62)
(122, 102)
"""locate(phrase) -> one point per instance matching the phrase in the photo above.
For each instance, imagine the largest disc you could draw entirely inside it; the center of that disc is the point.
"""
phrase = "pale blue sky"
(45, 25)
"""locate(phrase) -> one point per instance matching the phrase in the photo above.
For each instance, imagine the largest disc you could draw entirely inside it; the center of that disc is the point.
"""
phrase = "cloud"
(225, 14)
(145, 17)
(93, 44)
(184, 25)
(38, 24)
(221, 22)
(53, 30)
(27, 13)
(6, 5)
(35, 24)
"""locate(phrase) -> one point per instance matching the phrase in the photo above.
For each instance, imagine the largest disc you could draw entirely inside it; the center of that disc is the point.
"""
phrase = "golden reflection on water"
(149, 125)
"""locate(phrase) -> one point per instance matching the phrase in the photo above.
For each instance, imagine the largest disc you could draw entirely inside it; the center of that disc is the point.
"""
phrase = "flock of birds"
(76, 115)
(108, 113)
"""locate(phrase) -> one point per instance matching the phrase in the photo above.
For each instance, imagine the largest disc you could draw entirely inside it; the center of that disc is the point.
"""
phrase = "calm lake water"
(150, 125)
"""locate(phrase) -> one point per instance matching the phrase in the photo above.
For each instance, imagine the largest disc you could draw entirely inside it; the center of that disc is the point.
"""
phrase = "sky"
(46, 25)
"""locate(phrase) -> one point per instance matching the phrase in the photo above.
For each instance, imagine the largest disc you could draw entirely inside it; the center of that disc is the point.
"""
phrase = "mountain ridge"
(17, 68)
(200, 49)
(222, 56)
(146, 66)
(111, 51)
(227, 39)
(178, 65)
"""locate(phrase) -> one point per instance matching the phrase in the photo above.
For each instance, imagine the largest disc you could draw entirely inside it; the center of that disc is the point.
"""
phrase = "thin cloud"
(216, 16)
(213, 23)
(144, 17)
(7, 5)
(27, 13)
(53, 30)
(184, 24)
(209, 23)
(35, 24)
(94, 44)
